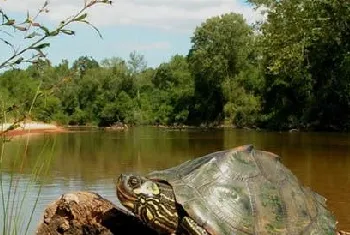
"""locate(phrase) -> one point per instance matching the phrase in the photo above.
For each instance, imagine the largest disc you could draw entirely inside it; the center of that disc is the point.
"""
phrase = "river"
(91, 160)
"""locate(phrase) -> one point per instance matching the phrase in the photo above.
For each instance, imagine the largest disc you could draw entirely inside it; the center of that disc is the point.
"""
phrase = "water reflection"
(91, 160)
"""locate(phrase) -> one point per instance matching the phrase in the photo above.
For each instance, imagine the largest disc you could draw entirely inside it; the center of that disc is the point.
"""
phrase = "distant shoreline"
(25, 128)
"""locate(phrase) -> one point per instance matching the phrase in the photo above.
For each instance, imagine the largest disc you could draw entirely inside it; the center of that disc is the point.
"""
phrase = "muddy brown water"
(91, 159)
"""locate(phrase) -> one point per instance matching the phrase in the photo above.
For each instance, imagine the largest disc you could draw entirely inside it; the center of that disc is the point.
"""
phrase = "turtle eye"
(134, 182)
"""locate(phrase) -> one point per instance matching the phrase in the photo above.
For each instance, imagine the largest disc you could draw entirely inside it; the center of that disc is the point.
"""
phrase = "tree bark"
(85, 213)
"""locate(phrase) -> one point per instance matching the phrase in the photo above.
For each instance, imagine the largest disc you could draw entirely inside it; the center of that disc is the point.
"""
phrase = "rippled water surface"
(91, 160)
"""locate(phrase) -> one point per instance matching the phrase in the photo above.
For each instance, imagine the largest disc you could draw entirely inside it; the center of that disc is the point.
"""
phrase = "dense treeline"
(305, 48)
(290, 71)
(102, 93)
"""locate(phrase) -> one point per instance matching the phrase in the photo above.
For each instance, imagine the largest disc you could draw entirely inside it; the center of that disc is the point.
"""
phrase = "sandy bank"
(24, 128)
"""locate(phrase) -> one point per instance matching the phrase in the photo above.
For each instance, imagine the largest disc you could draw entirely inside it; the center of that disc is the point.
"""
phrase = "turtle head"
(151, 201)
(134, 189)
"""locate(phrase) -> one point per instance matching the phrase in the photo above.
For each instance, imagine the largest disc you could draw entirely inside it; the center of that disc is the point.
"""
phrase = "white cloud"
(180, 15)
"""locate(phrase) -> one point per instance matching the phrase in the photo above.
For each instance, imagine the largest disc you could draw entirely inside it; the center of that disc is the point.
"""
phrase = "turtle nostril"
(121, 178)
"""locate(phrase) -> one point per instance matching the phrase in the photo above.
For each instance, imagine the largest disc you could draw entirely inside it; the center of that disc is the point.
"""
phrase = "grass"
(14, 186)
(20, 187)
(17, 184)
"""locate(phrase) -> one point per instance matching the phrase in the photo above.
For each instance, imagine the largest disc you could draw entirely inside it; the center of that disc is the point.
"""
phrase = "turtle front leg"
(191, 227)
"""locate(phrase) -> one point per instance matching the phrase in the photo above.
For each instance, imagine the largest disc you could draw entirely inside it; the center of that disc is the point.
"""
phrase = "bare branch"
(8, 44)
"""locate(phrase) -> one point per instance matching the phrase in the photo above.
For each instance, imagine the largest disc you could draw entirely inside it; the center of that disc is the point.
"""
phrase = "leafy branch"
(37, 34)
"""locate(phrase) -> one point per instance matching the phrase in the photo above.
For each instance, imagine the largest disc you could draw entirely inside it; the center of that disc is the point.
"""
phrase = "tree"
(32, 50)
(136, 62)
(83, 63)
(174, 91)
(220, 50)
(114, 62)
(305, 47)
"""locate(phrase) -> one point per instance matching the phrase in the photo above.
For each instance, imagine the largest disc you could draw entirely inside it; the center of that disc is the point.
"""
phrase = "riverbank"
(24, 128)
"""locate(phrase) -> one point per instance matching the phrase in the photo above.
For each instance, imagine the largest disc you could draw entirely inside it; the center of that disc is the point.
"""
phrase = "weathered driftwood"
(88, 213)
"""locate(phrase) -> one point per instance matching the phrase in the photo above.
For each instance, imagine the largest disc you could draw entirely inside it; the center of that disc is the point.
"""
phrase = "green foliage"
(25, 94)
(84, 63)
(136, 63)
(305, 51)
(181, 91)
(242, 107)
(121, 110)
(291, 71)
(47, 109)
(221, 50)
(174, 91)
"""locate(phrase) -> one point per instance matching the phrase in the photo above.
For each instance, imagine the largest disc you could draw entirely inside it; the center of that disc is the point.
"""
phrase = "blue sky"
(156, 29)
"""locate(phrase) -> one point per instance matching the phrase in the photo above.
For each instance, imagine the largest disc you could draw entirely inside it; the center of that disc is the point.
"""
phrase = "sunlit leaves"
(33, 34)
(304, 44)
(221, 47)
(40, 46)
(81, 17)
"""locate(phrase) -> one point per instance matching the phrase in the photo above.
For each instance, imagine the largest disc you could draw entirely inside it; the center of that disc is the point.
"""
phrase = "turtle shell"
(246, 191)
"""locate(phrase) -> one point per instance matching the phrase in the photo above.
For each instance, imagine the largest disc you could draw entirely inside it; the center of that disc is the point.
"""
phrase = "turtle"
(238, 191)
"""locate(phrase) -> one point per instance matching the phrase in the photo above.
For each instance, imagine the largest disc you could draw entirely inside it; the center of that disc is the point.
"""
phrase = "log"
(88, 213)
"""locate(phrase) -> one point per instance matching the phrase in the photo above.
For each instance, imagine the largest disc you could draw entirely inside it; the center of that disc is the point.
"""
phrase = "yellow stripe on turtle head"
(129, 204)
(149, 215)
(148, 188)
